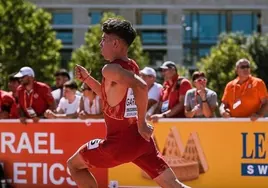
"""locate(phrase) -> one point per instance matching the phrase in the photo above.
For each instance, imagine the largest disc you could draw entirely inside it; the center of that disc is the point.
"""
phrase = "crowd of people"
(177, 97)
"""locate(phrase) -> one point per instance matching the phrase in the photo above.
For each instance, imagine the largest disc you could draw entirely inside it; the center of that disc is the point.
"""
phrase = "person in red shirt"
(34, 98)
(124, 94)
(172, 96)
(13, 84)
(8, 106)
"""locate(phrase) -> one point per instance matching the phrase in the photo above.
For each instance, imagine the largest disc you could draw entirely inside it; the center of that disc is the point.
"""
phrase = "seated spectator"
(90, 104)
(154, 89)
(34, 98)
(69, 103)
(245, 96)
(61, 77)
(13, 84)
(8, 106)
(200, 101)
(172, 95)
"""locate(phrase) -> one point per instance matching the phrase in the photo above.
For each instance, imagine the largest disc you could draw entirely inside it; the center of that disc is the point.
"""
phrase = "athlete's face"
(108, 45)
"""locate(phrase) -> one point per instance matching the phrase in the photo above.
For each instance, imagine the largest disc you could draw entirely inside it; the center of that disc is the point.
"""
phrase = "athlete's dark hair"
(121, 28)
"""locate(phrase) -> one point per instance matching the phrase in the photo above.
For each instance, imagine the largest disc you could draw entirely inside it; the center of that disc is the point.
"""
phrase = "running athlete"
(128, 134)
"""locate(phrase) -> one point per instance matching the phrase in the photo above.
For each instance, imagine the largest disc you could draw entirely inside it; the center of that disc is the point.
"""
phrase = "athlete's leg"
(79, 171)
(153, 164)
(167, 179)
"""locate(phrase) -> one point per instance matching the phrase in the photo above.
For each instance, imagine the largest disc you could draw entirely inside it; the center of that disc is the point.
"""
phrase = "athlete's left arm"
(114, 72)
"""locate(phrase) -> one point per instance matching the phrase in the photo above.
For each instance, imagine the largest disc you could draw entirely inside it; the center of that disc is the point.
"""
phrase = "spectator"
(172, 95)
(8, 106)
(245, 96)
(154, 89)
(61, 77)
(13, 84)
(69, 103)
(90, 104)
(200, 101)
(34, 98)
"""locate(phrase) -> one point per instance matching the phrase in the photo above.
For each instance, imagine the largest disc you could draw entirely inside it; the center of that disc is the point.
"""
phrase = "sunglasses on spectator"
(201, 80)
(244, 67)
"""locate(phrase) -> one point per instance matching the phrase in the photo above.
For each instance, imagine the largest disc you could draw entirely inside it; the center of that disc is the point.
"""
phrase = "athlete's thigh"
(98, 153)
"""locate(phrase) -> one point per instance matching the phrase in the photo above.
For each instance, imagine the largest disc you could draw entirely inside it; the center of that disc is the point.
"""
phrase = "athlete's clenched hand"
(146, 130)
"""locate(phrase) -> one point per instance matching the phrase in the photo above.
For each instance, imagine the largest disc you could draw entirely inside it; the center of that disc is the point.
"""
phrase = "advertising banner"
(35, 155)
(211, 153)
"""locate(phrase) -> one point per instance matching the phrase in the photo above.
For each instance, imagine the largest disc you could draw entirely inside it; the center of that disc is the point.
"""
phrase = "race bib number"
(164, 106)
(92, 144)
(131, 107)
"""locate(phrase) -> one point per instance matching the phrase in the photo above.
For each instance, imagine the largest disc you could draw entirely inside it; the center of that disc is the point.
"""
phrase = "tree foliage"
(257, 46)
(89, 56)
(27, 39)
(219, 66)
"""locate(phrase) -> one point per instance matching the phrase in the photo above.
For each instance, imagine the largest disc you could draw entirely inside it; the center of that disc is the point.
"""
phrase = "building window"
(65, 35)
(63, 18)
(153, 18)
(66, 55)
(202, 29)
(157, 57)
(153, 36)
(246, 23)
(95, 16)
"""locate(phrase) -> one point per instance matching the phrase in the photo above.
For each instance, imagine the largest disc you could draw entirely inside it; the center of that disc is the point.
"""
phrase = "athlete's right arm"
(83, 75)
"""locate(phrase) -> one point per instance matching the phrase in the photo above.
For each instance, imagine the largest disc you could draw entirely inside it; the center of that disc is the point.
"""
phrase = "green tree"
(238, 37)
(257, 46)
(27, 39)
(89, 56)
(219, 66)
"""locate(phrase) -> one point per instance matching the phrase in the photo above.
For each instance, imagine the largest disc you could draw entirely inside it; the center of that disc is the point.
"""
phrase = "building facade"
(182, 31)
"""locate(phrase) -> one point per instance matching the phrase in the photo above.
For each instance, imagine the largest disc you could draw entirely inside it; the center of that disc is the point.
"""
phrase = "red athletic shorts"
(128, 147)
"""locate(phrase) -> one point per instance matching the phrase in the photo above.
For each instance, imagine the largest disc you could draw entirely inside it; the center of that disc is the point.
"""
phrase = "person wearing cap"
(148, 74)
(34, 97)
(172, 95)
(68, 105)
(90, 104)
(245, 96)
(200, 101)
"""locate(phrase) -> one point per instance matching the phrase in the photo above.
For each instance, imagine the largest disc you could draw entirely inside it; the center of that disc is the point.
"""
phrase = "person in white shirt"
(90, 104)
(69, 103)
(154, 89)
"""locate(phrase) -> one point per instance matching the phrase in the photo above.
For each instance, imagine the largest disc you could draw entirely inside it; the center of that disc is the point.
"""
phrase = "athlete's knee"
(76, 162)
